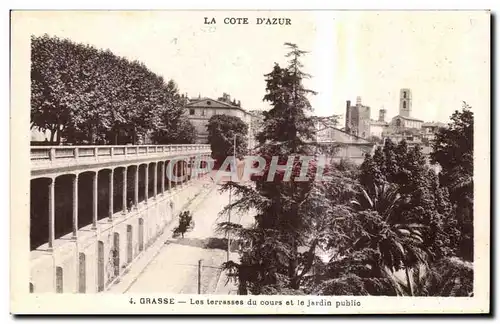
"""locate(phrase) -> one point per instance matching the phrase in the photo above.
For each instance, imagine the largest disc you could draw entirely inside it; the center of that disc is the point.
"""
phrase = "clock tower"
(405, 102)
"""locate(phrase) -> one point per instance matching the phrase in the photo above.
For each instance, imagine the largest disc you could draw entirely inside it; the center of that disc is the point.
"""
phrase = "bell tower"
(405, 102)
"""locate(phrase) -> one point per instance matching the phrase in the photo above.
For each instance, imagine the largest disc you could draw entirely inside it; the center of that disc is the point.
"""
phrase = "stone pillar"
(169, 183)
(163, 178)
(75, 207)
(94, 201)
(111, 196)
(51, 213)
(155, 180)
(146, 183)
(124, 191)
(136, 188)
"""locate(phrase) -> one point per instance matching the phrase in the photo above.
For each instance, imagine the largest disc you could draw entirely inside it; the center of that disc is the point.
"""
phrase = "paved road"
(175, 268)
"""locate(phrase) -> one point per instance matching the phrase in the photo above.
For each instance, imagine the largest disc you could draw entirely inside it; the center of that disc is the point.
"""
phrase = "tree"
(52, 60)
(375, 139)
(426, 200)
(221, 132)
(270, 261)
(88, 95)
(453, 151)
(172, 126)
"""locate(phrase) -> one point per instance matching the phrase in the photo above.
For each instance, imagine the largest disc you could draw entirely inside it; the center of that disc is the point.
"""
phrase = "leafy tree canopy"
(221, 132)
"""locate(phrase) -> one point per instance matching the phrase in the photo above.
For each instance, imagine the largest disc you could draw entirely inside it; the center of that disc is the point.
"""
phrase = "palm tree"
(400, 245)
(449, 277)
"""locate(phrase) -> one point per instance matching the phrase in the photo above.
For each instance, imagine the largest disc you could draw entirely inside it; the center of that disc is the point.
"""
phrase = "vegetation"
(86, 95)
(221, 132)
(453, 151)
(391, 226)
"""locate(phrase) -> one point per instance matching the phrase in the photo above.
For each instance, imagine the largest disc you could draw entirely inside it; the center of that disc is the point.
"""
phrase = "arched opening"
(59, 280)
(85, 198)
(151, 179)
(141, 234)
(39, 212)
(404, 104)
(168, 183)
(100, 266)
(116, 254)
(103, 193)
(32, 288)
(130, 252)
(159, 173)
(131, 170)
(117, 189)
(82, 273)
(63, 205)
(142, 182)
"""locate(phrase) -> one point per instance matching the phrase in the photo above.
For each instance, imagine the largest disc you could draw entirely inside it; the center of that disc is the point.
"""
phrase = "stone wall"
(90, 263)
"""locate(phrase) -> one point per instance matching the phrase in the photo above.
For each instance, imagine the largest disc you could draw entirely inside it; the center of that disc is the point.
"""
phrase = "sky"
(443, 57)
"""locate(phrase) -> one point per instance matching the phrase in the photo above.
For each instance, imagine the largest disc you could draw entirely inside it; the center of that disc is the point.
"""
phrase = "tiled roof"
(408, 118)
(433, 124)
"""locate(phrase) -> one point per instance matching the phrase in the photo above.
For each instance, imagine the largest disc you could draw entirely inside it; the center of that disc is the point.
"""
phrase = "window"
(209, 103)
(404, 104)
(404, 94)
(191, 111)
(203, 112)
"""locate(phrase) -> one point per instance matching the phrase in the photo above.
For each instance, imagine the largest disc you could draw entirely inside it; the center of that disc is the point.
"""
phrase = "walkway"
(172, 266)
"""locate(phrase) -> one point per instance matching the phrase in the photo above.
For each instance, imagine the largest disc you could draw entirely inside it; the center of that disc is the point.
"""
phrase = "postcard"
(250, 162)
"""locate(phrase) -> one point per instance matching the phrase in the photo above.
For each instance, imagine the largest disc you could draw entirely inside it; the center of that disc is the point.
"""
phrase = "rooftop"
(408, 118)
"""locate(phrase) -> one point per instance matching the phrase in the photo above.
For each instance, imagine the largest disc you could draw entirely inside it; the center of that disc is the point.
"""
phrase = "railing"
(41, 154)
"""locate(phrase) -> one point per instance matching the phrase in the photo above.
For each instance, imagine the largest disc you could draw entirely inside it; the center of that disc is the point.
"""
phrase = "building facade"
(348, 146)
(200, 110)
(357, 121)
(401, 126)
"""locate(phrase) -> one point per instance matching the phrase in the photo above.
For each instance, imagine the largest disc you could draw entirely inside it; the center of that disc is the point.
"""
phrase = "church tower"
(405, 102)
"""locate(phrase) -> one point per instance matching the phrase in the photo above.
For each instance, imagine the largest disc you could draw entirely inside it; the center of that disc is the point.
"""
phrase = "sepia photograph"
(245, 162)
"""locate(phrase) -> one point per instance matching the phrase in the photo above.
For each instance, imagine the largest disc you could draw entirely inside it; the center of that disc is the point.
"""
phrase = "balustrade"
(41, 155)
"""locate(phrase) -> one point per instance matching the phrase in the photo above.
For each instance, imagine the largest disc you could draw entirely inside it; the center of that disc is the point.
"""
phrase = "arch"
(404, 94)
(103, 192)
(63, 205)
(32, 288)
(131, 169)
(159, 175)
(130, 252)
(142, 181)
(85, 198)
(116, 254)
(59, 280)
(100, 266)
(82, 273)
(152, 168)
(118, 186)
(168, 183)
(141, 234)
(404, 104)
(39, 211)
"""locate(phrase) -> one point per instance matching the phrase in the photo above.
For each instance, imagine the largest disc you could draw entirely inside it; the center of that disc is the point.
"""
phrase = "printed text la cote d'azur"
(246, 21)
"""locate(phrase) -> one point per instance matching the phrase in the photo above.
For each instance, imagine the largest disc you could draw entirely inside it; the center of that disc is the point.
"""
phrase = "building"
(405, 102)
(401, 126)
(401, 121)
(199, 111)
(357, 121)
(349, 146)
(430, 129)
